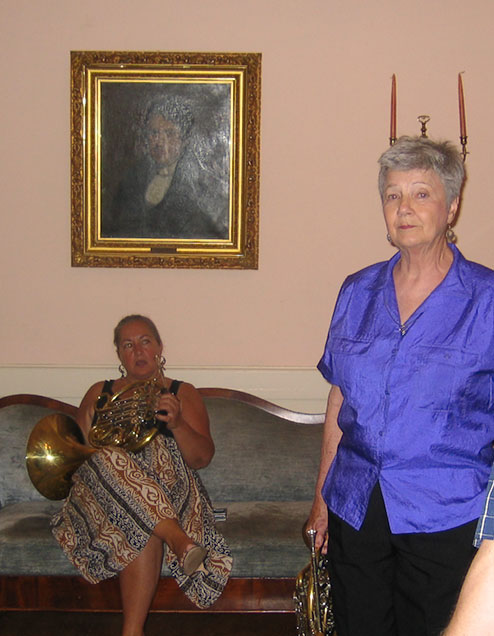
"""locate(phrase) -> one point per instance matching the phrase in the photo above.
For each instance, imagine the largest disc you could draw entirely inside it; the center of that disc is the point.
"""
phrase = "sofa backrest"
(260, 455)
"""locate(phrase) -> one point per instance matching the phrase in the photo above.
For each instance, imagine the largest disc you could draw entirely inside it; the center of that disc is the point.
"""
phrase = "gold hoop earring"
(450, 235)
(161, 362)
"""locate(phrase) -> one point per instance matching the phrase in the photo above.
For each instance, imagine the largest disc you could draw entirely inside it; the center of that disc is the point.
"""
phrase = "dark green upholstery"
(263, 472)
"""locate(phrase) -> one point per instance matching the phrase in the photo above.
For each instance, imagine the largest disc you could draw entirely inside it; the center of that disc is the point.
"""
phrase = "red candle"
(392, 131)
(461, 100)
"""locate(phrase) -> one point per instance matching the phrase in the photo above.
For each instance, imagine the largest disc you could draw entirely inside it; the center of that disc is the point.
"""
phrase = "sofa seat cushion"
(264, 537)
(27, 546)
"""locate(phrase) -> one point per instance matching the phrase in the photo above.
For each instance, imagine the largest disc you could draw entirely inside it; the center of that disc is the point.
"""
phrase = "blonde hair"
(135, 318)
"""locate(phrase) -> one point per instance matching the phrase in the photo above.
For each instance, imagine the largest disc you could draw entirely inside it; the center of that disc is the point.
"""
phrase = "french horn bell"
(55, 450)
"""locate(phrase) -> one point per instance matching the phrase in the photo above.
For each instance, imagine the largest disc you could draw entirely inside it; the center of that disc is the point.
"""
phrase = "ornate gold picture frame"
(165, 159)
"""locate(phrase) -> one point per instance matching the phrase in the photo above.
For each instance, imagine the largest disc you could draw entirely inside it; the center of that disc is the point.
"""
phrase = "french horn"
(312, 596)
(56, 448)
(127, 421)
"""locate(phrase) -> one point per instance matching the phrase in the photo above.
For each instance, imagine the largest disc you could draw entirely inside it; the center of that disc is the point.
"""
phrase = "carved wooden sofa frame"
(276, 447)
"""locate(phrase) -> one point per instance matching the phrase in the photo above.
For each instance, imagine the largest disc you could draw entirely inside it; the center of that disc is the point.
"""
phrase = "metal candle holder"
(424, 119)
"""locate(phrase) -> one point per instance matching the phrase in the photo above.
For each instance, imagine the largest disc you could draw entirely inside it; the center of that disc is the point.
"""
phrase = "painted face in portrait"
(164, 140)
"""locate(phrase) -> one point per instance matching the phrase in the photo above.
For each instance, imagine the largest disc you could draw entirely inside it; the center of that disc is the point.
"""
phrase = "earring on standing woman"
(450, 235)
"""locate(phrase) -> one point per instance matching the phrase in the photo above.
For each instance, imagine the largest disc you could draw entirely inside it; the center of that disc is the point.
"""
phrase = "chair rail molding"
(297, 388)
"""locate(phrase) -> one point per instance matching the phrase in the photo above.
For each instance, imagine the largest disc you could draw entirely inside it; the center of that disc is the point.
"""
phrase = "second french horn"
(312, 596)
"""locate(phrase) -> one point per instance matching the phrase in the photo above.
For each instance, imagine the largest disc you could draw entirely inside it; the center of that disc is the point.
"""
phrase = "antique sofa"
(263, 473)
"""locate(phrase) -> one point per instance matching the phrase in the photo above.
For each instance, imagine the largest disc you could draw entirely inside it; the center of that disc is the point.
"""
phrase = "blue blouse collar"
(451, 283)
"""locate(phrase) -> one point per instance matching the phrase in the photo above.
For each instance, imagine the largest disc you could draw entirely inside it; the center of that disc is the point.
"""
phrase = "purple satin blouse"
(418, 398)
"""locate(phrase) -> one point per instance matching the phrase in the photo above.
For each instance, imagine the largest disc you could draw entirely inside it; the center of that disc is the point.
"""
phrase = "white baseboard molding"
(297, 388)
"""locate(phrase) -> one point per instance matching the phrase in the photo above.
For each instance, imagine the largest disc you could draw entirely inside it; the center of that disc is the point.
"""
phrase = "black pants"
(395, 584)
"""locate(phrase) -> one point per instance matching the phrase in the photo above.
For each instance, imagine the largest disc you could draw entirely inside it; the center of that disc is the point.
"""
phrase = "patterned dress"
(116, 500)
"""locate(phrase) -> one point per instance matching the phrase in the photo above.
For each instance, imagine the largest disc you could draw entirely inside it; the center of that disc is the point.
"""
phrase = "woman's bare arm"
(474, 614)
(85, 411)
(318, 519)
(188, 419)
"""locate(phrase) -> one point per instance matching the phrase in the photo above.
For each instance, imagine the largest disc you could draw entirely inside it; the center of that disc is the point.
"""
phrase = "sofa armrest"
(39, 400)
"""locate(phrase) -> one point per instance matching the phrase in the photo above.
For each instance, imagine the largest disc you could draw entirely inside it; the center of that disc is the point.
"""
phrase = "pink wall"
(327, 67)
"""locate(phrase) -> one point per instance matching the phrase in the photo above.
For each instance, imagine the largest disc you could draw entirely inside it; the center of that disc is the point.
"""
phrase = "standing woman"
(124, 505)
(409, 427)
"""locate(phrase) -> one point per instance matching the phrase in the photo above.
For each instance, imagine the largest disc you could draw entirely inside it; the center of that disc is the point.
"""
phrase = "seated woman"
(123, 505)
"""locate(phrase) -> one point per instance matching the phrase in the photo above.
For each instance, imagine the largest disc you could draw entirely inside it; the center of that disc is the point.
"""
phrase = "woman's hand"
(318, 521)
(187, 417)
(169, 410)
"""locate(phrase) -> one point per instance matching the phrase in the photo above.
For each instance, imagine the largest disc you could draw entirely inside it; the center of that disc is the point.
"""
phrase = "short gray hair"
(421, 153)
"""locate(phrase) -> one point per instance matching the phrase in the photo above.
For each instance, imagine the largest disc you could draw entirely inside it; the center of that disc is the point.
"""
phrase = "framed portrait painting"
(165, 159)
